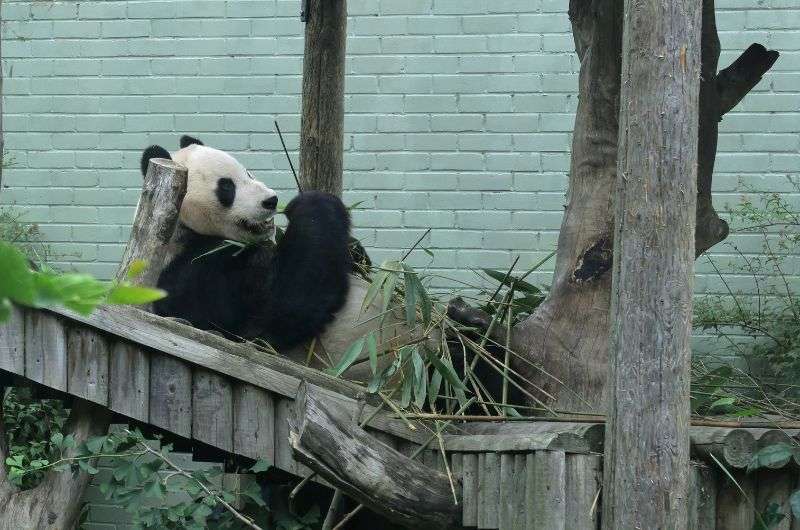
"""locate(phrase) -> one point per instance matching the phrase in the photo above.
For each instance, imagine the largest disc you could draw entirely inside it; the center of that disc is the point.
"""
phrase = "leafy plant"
(20, 284)
(32, 426)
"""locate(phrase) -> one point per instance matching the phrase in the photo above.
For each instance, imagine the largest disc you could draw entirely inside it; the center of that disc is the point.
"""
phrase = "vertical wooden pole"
(647, 437)
(322, 127)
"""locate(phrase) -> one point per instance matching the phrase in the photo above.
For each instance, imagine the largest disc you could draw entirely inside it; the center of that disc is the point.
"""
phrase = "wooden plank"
(212, 409)
(488, 490)
(583, 478)
(385, 438)
(236, 360)
(12, 342)
(703, 498)
(530, 491)
(171, 394)
(734, 512)
(469, 484)
(775, 487)
(254, 423)
(87, 365)
(558, 441)
(129, 381)
(591, 433)
(506, 498)
(549, 494)
(45, 349)
(520, 507)
(283, 451)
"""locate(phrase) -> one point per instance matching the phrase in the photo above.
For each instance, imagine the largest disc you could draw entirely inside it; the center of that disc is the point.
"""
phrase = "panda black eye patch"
(226, 192)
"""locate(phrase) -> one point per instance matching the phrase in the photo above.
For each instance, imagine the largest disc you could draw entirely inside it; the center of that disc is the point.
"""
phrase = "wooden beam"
(326, 438)
(322, 125)
(647, 441)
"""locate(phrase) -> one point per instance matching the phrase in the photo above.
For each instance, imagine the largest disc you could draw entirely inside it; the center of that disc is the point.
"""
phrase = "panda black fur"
(286, 293)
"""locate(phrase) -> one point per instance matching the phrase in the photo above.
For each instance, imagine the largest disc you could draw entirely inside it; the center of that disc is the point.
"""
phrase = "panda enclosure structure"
(498, 475)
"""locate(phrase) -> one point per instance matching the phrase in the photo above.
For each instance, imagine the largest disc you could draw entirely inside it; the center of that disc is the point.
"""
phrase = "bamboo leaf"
(411, 296)
(372, 348)
(444, 367)
(134, 295)
(373, 290)
(349, 357)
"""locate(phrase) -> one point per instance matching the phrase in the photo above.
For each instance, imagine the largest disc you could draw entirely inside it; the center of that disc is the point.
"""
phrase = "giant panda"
(298, 292)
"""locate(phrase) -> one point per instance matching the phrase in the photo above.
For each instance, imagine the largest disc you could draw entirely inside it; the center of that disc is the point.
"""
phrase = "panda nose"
(271, 203)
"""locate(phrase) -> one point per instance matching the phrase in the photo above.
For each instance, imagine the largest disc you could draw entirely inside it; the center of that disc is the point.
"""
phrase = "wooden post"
(322, 127)
(647, 434)
(156, 218)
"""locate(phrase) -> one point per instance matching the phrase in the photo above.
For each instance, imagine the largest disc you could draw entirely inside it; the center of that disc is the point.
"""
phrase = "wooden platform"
(199, 386)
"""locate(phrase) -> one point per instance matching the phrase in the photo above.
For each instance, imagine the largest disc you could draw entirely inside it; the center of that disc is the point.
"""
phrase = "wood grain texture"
(469, 483)
(12, 341)
(236, 360)
(322, 120)
(325, 437)
(129, 381)
(212, 409)
(703, 498)
(549, 490)
(733, 512)
(505, 443)
(775, 487)
(171, 394)
(584, 477)
(87, 365)
(733, 447)
(647, 442)
(45, 349)
(253, 422)
(156, 218)
(488, 490)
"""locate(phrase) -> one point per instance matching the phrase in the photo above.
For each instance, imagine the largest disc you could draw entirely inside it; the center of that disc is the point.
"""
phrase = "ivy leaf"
(95, 445)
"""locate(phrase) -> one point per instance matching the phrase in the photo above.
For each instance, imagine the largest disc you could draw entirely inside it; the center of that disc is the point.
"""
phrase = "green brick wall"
(459, 115)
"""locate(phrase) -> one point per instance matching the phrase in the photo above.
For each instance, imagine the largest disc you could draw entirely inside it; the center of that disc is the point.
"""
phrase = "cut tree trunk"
(647, 433)
(322, 126)
(324, 437)
(564, 344)
(55, 502)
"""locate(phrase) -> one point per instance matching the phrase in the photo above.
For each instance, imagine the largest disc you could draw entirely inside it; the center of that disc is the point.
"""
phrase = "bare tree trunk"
(322, 127)
(647, 434)
(566, 338)
(567, 334)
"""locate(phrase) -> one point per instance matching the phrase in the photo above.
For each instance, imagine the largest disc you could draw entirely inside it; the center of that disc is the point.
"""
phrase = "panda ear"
(154, 151)
(187, 140)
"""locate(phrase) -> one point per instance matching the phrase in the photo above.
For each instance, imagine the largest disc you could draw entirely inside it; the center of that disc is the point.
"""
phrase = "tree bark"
(322, 126)
(325, 437)
(156, 218)
(567, 334)
(566, 338)
(647, 433)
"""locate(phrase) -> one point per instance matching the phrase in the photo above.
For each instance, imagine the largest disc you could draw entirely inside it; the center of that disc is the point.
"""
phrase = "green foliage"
(20, 284)
(25, 236)
(34, 434)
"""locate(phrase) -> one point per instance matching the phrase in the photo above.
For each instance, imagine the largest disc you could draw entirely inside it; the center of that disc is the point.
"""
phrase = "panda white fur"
(300, 290)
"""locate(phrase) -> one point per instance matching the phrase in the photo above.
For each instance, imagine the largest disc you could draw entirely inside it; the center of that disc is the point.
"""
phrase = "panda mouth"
(256, 228)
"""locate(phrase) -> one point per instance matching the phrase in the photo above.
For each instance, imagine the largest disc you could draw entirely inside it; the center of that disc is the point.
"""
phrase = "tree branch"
(325, 438)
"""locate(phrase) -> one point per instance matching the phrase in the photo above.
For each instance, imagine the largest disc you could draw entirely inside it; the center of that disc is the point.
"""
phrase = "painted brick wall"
(459, 115)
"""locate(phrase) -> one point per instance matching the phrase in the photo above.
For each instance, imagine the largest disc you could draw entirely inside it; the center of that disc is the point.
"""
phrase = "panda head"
(222, 198)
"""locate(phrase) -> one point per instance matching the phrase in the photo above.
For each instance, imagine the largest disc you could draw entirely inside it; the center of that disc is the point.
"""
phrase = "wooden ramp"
(231, 396)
